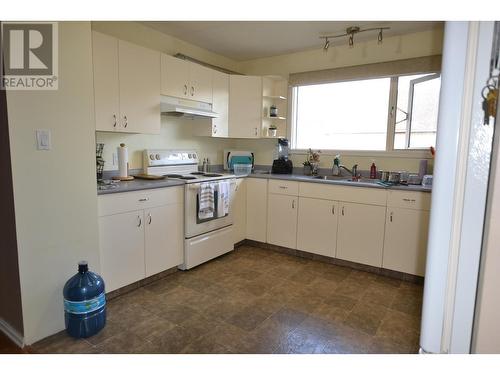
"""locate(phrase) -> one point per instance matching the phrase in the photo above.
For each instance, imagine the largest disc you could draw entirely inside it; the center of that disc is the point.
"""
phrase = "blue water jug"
(84, 303)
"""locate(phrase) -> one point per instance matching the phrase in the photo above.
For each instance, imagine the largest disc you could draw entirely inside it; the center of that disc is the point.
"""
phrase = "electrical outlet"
(115, 159)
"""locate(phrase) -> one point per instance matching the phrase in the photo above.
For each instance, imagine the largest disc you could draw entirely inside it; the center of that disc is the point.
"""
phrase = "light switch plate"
(43, 141)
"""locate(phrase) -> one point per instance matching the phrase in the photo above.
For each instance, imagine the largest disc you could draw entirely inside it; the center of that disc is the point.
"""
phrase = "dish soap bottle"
(373, 170)
(336, 166)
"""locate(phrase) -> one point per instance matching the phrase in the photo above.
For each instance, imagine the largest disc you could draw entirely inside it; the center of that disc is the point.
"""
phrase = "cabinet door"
(256, 209)
(360, 235)
(405, 246)
(121, 241)
(239, 210)
(164, 237)
(200, 83)
(174, 76)
(317, 226)
(245, 106)
(106, 86)
(220, 105)
(282, 220)
(139, 73)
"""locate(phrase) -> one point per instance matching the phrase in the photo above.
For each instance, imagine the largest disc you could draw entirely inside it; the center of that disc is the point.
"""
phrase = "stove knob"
(152, 157)
(190, 156)
(157, 156)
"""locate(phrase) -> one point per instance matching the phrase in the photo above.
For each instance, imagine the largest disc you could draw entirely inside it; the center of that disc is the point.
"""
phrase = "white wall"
(55, 191)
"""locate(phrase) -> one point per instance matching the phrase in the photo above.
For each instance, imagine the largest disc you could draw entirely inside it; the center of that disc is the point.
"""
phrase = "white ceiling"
(246, 40)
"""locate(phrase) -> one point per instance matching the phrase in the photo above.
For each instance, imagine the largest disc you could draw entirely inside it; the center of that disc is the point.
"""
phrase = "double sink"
(344, 179)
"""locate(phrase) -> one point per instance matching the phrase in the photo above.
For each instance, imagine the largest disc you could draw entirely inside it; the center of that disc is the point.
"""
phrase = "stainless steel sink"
(330, 178)
(345, 179)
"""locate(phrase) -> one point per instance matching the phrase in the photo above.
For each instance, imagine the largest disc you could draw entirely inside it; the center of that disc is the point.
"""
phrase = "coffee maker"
(281, 164)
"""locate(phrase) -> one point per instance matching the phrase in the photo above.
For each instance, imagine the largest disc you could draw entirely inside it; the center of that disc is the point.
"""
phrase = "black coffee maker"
(281, 164)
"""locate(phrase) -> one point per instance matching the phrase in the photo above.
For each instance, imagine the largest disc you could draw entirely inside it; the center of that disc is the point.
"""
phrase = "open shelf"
(278, 97)
(276, 117)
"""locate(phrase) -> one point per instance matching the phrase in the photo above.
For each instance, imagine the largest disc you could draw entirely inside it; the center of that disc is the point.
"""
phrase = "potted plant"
(311, 164)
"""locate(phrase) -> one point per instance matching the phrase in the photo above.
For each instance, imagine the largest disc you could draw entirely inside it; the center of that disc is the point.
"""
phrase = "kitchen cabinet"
(239, 210)
(317, 226)
(245, 106)
(141, 233)
(256, 209)
(282, 220)
(185, 79)
(164, 234)
(406, 230)
(121, 244)
(220, 104)
(360, 233)
(126, 86)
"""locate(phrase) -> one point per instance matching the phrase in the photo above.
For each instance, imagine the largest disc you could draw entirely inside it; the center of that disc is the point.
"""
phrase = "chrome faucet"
(353, 171)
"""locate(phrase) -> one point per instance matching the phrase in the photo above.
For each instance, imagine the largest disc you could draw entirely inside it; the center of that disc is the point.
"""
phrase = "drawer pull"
(150, 218)
(140, 221)
(283, 187)
(143, 199)
(293, 203)
(408, 200)
(342, 210)
(333, 210)
(390, 216)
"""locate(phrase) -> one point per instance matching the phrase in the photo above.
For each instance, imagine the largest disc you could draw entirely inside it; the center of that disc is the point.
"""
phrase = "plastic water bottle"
(84, 303)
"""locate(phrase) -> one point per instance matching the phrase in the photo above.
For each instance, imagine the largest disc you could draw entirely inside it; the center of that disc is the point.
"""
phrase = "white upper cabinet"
(126, 86)
(184, 79)
(174, 76)
(200, 83)
(220, 82)
(245, 106)
(106, 82)
(139, 73)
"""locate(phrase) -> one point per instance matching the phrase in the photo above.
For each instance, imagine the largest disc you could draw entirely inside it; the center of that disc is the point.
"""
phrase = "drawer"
(283, 187)
(409, 199)
(110, 204)
(352, 194)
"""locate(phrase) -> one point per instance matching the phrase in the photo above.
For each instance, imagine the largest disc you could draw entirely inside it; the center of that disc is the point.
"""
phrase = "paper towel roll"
(122, 160)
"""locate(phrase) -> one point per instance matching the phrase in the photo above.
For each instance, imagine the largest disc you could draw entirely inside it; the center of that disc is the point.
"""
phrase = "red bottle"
(373, 171)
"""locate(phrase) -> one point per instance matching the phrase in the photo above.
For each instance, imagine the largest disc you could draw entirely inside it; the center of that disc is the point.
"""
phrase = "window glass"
(342, 116)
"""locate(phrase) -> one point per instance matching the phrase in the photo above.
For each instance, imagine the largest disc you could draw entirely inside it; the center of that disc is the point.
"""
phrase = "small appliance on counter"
(281, 164)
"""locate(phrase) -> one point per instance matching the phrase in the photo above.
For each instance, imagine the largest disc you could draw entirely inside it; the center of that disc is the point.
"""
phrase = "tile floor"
(258, 301)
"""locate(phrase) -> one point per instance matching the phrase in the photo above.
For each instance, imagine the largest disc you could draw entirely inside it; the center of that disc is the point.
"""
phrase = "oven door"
(195, 226)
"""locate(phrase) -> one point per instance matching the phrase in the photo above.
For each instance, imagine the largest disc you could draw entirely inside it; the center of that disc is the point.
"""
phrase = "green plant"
(312, 157)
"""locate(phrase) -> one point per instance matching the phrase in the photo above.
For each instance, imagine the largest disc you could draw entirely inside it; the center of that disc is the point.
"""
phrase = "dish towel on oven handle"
(206, 201)
(224, 198)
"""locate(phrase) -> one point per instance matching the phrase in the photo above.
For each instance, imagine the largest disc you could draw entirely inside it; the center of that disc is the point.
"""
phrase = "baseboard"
(11, 333)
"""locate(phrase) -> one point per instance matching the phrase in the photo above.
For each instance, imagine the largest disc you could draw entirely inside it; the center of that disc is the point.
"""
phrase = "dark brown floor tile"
(265, 338)
(330, 313)
(366, 317)
(341, 301)
(352, 288)
(198, 325)
(248, 318)
(407, 301)
(268, 303)
(349, 341)
(381, 345)
(387, 281)
(112, 328)
(318, 327)
(380, 294)
(222, 310)
(176, 313)
(303, 276)
(227, 335)
(400, 327)
(301, 342)
(305, 303)
(289, 317)
(173, 341)
(150, 327)
(61, 343)
(123, 343)
(322, 287)
(205, 345)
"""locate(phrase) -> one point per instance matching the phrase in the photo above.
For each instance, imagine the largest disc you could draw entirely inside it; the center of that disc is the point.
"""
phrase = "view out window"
(358, 115)
(417, 111)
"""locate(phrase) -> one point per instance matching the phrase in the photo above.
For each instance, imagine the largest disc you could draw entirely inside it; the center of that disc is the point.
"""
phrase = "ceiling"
(246, 40)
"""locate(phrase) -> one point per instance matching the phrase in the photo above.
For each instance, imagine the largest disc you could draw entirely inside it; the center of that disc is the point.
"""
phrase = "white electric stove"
(205, 238)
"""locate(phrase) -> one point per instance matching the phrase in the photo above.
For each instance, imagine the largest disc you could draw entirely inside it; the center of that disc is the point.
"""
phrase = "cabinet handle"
(333, 210)
(192, 90)
(150, 218)
(293, 204)
(140, 221)
(390, 217)
(126, 121)
(143, 199)
(114, 123)
(342, 210)
(185, 90)
(283, 187)
(255, 131)
(408, 200)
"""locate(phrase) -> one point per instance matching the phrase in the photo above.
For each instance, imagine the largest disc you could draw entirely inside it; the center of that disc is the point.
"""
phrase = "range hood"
(186, 108)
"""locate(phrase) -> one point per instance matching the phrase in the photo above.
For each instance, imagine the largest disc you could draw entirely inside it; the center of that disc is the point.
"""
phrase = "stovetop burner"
(197, 173)
(181, 177)
(187, 178)
(212, 175)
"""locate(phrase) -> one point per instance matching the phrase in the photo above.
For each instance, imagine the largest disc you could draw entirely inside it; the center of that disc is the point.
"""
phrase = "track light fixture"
(349, 32)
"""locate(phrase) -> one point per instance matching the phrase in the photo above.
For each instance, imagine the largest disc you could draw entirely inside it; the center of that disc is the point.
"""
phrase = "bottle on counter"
(373, 170)
(336, 166)
(204, 168)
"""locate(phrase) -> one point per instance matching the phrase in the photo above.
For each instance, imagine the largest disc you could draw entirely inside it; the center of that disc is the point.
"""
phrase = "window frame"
(391, 123)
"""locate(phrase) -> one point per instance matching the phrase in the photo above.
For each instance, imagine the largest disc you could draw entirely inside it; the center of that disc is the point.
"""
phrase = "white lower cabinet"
(239, 210)
(256, 210)
(317, 226)
(163, 238)
(141, 233)
(282, 220)
(405, 246)
(360, 234)
(121, 241)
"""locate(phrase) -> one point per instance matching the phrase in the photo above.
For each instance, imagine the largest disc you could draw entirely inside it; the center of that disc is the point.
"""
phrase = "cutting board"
(148, 177)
